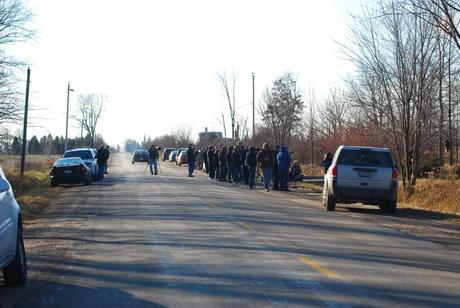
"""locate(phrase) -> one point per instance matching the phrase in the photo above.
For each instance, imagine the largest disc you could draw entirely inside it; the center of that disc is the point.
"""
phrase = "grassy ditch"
(439, 195)
(32, 191)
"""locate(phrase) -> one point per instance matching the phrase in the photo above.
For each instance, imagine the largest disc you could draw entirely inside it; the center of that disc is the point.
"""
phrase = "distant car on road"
(12, 253)
(361, 174)
(88, 156)
(181, 158)
(140, 156)
(166, 153)
(172, 156)
(70, 170)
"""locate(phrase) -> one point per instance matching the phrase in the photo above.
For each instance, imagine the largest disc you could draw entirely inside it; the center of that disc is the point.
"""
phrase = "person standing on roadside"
(236, 161)
(265, 161)
(107, 154)
(211, 162)
(284, 162)
(223, 164)
(251, 162)
(217, 163)
(327, 161)
(245, 170)
(153, 159)
(276, 175)
(191, 160)
(230, 167)
(205, 160)
(101, 158)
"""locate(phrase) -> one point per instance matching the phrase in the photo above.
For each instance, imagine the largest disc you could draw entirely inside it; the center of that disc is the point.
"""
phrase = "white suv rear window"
(367, 158)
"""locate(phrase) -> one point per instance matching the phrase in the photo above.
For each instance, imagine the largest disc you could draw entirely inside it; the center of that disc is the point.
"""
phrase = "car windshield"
(142, 152)
(68, 162)
(83, 154)
(366, 158)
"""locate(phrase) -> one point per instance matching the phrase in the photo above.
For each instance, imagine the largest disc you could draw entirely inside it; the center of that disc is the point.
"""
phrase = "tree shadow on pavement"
(40, 293)
(406, 213)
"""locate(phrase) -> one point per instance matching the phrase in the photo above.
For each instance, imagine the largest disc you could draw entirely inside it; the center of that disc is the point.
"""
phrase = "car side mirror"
(4, 186)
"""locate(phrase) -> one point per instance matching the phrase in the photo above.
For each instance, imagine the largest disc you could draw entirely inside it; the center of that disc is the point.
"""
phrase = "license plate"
(364, 174)
(67, 171)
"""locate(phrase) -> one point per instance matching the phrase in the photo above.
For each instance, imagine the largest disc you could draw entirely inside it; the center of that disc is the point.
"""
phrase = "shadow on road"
(406, 213)
(40, 293)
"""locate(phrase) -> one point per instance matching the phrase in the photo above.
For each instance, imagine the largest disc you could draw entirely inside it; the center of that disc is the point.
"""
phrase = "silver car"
(361, 174)
(12, 253)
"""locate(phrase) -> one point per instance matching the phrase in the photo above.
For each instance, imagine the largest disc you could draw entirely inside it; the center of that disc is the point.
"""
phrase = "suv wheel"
(389, 207)
(330, 202)
(53, 183)
(15, 274)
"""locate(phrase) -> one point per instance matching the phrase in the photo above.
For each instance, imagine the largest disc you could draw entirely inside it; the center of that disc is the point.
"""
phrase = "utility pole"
(67, 116)
(24, 130)
(253, 110)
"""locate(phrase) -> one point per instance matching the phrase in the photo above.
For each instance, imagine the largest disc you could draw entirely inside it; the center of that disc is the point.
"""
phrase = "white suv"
(12, 253)
(361, 174)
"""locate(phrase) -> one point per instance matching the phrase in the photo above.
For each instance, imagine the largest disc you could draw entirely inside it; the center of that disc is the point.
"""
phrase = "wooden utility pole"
(24, 130)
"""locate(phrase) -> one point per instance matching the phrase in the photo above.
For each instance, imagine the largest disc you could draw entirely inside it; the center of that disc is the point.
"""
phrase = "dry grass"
(312, 170)
(435, 195)
(32, 191)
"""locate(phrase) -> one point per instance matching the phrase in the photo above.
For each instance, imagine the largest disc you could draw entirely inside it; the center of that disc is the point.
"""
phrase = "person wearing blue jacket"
(251, 163)
(284, 162)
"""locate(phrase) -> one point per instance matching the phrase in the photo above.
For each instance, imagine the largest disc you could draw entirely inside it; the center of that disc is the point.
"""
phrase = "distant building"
(208, 137)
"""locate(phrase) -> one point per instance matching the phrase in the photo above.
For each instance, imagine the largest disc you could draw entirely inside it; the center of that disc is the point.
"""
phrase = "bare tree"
(14, 27)
(228, 87)
(281, 108)
(397, 51)
(90, 110)
(442, 14)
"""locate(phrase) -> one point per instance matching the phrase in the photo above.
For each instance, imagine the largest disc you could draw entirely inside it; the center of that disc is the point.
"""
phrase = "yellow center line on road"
(245, 225)
(312, 263)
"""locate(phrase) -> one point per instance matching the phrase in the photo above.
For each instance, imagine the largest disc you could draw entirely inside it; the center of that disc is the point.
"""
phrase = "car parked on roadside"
(172, 156)
(12, 253)
(166, 152)
(70, 170)
(181, 159)
(140, 156)
(361, 174)
(88, 156)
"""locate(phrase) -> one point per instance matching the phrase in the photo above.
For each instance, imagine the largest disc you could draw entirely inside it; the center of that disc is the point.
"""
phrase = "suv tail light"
(82, 168)
(334, 170)
(394, 174)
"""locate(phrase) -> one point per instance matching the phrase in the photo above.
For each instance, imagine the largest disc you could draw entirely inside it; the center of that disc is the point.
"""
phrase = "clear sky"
(157, 61)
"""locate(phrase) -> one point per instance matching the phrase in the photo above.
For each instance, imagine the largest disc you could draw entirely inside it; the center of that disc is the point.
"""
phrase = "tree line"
(46, 145)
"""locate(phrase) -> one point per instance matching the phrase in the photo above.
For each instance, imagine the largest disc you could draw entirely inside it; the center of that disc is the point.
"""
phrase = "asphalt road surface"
(136, 240)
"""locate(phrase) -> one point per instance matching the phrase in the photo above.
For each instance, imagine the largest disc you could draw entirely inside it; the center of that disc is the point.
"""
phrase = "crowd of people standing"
(241, 164)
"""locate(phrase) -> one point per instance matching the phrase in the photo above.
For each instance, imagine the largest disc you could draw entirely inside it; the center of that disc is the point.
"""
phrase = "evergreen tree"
(16, 146)
(34, 146)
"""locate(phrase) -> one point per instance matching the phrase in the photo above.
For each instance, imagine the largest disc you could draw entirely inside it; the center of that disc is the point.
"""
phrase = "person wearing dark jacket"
(275, 172)
(230, 167)
(327, 161)
(107, 154)
(284, 162)
(245, 171)
(265, 160)
(236, 161)
(251, 162)
(153, 159)
(211, 162)
(216, 162)
(190, 160)
(223, 164)
(101, 158)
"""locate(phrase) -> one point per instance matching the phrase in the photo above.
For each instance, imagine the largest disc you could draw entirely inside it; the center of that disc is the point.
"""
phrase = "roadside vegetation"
(32, 191)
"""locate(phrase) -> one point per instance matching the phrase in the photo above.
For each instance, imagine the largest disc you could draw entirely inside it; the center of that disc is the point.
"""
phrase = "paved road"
(137, 240)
